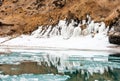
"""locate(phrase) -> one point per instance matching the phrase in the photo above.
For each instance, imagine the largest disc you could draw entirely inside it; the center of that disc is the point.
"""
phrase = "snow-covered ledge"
(85, 35)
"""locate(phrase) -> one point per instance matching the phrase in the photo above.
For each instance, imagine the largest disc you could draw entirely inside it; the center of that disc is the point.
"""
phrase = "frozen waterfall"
(71, 29)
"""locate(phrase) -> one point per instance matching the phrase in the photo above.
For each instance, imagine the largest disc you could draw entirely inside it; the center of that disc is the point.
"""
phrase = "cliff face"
(24, 16)
(114, 36)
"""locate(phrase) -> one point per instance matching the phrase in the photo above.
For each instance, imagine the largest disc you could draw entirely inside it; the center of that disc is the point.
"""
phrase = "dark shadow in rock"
(5, 24)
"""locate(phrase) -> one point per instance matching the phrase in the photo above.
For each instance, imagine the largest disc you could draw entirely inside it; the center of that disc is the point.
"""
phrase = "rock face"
(27, 15)
(115, 35)
(115, 38)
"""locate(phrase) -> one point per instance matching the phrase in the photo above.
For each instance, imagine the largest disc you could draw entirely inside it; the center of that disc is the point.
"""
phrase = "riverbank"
(87, 43)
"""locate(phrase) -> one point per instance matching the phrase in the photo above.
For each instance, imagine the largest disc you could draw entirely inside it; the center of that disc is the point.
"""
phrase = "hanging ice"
(76, 32)
(102, 27)
(71, 29)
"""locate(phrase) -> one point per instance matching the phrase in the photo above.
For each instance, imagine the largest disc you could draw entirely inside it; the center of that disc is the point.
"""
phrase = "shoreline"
(27, 43)
(18, 48)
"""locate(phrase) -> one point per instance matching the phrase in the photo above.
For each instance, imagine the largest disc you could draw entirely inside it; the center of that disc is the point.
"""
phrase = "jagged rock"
(5, 24)
(59, 3)
(115, 38)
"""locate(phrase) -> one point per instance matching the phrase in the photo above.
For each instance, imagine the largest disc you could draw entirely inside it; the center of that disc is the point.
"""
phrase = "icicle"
(102, 27)
(106, 31)
(96, 27)
(90, 27)
(89, 19)
(37, 32)
(76, 32)
(54, 31)
(47, 31)
(70, 29)
(83, 22)
(64, 30)
(63, 26)
(43, 31)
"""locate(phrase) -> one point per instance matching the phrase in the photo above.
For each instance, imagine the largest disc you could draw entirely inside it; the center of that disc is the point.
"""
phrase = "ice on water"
(32, 77)
(62, 60)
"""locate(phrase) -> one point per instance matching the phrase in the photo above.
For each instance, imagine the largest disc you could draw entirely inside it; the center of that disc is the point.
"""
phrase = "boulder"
(114, 38)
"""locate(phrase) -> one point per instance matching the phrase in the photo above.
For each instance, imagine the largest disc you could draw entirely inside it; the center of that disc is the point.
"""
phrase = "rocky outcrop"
(115, 35)
(115, 38)
(27, 15)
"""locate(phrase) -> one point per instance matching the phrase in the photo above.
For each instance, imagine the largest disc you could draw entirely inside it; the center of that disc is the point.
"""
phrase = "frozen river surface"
(54, 65)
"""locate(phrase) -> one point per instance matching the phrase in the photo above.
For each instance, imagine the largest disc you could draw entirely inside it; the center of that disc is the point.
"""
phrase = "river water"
(60, 66)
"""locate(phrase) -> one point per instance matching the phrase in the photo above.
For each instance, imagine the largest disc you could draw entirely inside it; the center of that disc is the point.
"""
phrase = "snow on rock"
(64, 35)
(3, 39)
(71, 29)
(37, 32)
(99, 42)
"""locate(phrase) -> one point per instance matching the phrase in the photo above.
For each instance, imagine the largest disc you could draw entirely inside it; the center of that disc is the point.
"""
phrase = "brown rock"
(48, 12)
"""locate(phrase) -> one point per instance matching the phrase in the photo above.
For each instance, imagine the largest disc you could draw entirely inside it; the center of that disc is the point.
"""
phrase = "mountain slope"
(24, 16)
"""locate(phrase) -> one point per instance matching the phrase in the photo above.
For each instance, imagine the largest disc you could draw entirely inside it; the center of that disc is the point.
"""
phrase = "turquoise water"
(33, 77)
(59, 66)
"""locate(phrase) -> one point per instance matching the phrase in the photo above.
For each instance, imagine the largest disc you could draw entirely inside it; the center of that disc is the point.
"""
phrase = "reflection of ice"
(64, 61)
(31, 77)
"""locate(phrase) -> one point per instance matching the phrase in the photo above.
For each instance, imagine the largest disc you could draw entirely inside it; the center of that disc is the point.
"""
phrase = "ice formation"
(32, 77)
(71, 29)
(71, 62)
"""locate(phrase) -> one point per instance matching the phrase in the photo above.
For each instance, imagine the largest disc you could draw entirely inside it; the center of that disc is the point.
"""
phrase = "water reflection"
(79, 67)
(114, 57)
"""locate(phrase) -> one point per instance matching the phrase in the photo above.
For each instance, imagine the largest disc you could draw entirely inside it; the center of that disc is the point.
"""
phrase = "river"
(46, 65)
